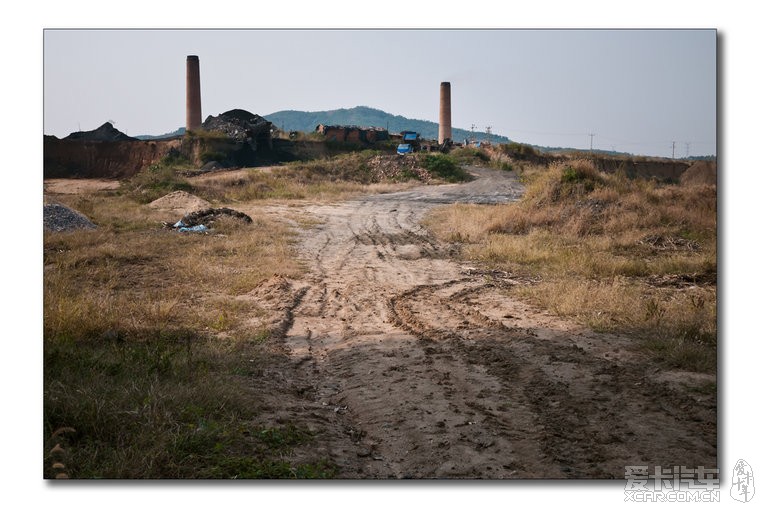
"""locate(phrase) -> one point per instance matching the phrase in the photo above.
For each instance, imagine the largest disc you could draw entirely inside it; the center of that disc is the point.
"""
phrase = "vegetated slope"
(364, 116)
(174, 134)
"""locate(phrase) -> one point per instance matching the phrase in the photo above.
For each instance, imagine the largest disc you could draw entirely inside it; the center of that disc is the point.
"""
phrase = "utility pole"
(673, 156)
(592, 142)
(472, 136)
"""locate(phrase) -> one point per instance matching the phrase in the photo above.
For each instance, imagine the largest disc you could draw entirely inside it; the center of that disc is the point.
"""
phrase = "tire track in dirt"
(433, 371)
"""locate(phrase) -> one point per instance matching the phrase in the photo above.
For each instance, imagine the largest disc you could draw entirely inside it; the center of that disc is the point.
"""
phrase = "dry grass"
(616, 254)
(151, 356)
(338, 177)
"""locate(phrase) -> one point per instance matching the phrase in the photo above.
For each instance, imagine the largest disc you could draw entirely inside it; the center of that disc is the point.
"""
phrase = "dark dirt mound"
(106, 132)
(391, 167)
(239, 124)
(209, 215)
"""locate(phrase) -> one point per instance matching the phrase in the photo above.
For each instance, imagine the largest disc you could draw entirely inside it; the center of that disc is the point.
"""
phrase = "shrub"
(155, 181)
(470, 155)
(445, 167)
(519, 151)
(174, 158)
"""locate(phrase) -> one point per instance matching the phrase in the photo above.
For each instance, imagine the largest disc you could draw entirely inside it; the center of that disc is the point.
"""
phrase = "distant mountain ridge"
(363, 116)
(179, 132)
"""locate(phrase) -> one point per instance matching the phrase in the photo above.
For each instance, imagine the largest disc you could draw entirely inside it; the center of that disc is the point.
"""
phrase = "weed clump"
(445, 167)
(155, 181)
(519, 151)
(471, 155)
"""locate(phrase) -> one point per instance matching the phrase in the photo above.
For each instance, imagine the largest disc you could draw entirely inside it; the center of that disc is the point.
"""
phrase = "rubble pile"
(239, 124)
(56, 217)
(209, 215)
(392, 167)
(202, 221)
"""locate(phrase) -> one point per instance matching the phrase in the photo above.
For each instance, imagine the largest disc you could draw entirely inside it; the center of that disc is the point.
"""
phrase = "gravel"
(61, 218)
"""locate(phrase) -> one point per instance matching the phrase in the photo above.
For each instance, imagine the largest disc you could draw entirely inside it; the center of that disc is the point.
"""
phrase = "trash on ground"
(193, 229)
(202, 221)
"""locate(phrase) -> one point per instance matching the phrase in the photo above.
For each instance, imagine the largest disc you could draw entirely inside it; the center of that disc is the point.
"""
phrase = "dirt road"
(415, 366)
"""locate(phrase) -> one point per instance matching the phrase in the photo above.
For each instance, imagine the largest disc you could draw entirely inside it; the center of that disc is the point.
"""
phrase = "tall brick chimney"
(444, 120)
(193, 97)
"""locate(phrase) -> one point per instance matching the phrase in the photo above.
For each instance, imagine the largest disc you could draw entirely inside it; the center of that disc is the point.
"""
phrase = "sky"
(635, 91)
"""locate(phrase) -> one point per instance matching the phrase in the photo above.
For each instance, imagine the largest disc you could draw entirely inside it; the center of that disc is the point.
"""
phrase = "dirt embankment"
(414, 366)
(102, 159)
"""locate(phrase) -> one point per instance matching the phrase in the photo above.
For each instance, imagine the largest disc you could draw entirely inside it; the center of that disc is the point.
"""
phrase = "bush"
(155, 181)
(470, 155)
(445, 167)
(174, 158)
(519, 150)
(580, 170)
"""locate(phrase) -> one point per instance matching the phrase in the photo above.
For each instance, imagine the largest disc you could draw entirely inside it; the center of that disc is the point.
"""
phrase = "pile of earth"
(56, 217)
(208, 216)
(239, 124)
(106, 132)
(701, 173)
(180, 202)
(394, 167)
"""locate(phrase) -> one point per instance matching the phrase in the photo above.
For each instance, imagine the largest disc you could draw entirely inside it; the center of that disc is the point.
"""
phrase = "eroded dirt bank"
(412, 365)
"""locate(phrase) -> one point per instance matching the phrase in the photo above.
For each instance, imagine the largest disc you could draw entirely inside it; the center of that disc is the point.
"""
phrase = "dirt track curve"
(419, 367)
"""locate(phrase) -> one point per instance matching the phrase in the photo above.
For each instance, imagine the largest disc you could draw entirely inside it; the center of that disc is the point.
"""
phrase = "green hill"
(179, 132)
(363, 116)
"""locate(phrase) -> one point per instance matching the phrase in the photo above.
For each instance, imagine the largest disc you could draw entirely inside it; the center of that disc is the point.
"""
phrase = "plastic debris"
(193, 229)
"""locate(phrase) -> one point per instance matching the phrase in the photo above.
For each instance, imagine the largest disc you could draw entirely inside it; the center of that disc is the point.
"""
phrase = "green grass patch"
(156, 181)
(445, 167)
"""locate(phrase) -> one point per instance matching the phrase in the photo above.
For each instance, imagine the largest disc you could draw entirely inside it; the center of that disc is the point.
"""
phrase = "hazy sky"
(636, 90)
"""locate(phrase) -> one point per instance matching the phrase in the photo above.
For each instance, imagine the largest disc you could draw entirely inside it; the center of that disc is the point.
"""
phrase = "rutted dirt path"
(424, 368)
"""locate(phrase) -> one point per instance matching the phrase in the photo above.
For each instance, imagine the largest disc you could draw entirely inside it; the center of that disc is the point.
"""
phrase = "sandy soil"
(78, 186)
(409, 365)
(179, 202)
